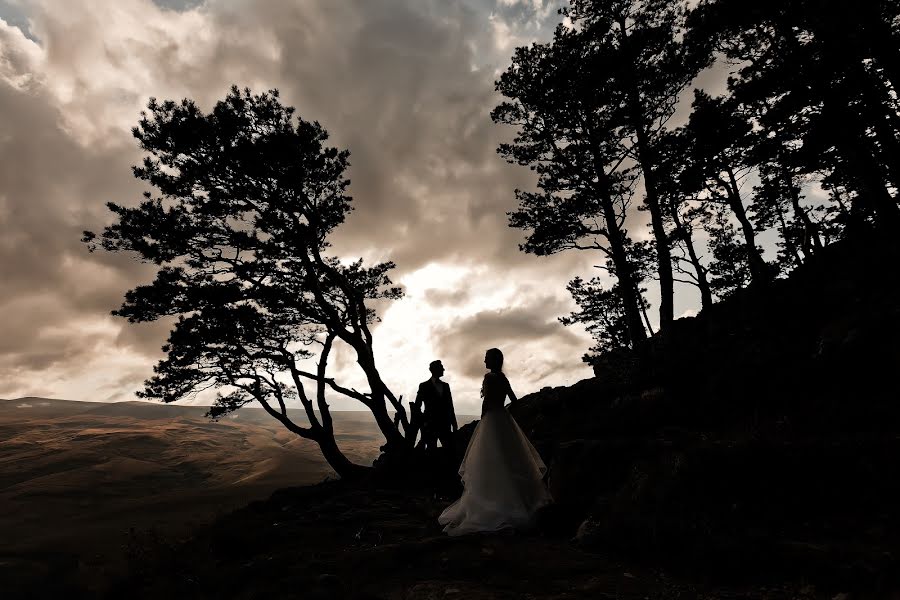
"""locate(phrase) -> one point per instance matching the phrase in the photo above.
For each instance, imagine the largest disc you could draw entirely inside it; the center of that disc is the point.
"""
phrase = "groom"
(438, 417)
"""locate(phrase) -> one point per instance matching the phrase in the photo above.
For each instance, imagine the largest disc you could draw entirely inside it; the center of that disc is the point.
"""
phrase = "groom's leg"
(429, 439)
(447, 439)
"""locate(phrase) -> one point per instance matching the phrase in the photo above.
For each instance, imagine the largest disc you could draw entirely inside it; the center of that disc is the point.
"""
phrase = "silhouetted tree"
(821, 79)
(719, 158)
(730, 268)
(777, 203)
(862, 55)
(844, 217)
(566, 132)
(247, 199)
(679, 196)
(601, 312)
(772, 212)
(812, 102)
(636, 57)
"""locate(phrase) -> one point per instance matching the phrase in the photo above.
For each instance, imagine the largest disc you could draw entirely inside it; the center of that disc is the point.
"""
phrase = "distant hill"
(76, 477)
(31, 407)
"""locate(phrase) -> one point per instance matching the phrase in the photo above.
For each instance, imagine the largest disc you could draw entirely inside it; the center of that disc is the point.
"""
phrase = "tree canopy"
(802, 148)
(245, 199)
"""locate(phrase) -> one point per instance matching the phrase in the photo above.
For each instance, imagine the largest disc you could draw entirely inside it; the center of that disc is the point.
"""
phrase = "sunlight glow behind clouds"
(407, 85)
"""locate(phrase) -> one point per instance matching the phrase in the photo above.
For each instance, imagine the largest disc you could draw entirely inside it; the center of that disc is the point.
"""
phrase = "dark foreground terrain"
(750, 452)
(336, 541)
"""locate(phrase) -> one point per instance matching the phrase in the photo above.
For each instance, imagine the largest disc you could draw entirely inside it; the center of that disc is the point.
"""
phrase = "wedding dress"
(502, 473)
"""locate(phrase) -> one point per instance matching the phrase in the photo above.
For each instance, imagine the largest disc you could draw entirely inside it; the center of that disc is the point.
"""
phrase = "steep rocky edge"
(762, 436)
(751, 451)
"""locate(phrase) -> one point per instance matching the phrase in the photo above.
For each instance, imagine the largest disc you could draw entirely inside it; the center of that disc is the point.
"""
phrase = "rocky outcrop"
(763, 430)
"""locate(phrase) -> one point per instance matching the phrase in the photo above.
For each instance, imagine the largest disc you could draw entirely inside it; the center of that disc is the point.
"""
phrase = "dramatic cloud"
(406, 85)
(521, 331)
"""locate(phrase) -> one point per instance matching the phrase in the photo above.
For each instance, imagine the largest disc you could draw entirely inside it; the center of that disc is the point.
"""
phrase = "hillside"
(750, 452)
(760, 437)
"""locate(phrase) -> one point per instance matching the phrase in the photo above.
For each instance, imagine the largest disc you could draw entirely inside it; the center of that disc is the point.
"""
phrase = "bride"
(502, 473)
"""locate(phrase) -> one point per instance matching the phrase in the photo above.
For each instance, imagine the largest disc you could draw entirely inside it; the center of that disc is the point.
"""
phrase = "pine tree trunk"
(624, 269)
(637, 116)
(759, 271)
(647, 322)
(660, 239)
(791, 247)
(625, 274)
(702, 283)
(324, 437)
(336, 459)
(663, 258)
(394, 440)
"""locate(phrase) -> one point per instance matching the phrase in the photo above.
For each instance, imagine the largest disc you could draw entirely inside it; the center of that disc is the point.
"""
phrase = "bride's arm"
(509, 392)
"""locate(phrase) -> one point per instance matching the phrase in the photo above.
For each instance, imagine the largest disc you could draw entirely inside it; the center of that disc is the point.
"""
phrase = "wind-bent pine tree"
(246, 199)
(566, 132)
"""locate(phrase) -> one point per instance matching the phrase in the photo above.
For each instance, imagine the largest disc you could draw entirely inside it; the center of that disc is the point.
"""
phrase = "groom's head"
(436, 368)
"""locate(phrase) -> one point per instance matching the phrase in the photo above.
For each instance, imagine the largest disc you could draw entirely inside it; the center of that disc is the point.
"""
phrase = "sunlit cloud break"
(406, 86)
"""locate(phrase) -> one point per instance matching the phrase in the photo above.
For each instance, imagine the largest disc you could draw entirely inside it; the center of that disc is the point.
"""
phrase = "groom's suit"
(438, 416)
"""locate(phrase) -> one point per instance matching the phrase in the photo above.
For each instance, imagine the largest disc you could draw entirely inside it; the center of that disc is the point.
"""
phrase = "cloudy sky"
(405, 85)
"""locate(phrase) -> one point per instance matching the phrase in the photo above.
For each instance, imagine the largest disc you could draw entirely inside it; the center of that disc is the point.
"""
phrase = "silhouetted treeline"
(803, 148)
